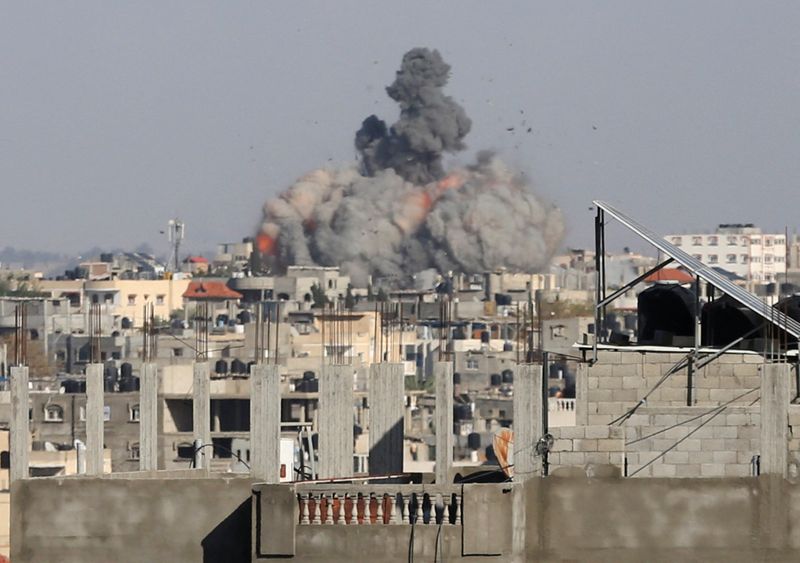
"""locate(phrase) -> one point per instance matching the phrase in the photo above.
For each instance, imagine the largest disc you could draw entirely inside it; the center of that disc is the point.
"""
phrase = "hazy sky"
(116, 116)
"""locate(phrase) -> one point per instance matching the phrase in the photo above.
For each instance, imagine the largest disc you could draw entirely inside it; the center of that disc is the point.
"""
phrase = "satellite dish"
(503, 445)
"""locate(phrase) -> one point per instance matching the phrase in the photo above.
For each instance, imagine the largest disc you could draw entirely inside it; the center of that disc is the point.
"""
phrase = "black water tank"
(502, 299)
(128, 385)
(456, 378)
(126, 323)
(724, 320)
(508, 347)
(474, 441)
(485, 337)
(238, 367)
(666, 315)
(495, 380)
(126, 370)
(508, 376)
(244, 317)
(70, 386)
(221, 367)
(308, 375)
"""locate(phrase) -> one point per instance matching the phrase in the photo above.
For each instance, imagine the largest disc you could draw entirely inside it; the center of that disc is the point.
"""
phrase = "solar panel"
(745, 298)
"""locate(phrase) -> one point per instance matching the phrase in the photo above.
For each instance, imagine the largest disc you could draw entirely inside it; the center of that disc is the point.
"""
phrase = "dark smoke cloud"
(397, 212)
(430, 123)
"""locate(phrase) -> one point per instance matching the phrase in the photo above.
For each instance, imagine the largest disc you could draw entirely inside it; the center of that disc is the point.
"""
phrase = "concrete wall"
(620, 379)
(85, 520)
(585, 446)
(719, 444)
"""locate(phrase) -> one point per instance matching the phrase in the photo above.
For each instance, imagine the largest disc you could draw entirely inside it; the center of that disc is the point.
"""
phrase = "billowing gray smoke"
(398, 212)
(430, 123)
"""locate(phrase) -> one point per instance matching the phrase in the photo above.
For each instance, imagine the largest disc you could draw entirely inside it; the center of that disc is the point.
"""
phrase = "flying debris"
(419, 216)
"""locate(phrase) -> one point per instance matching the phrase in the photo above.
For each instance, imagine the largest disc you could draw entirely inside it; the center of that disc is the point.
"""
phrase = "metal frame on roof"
(696, 267)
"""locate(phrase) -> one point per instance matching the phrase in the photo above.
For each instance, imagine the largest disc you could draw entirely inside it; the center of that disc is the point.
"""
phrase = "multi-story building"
(742, 249)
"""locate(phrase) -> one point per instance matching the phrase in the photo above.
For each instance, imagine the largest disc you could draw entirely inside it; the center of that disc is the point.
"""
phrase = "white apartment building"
(741, 249)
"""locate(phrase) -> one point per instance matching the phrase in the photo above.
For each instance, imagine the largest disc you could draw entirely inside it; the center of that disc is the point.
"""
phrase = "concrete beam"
(201, 411)
(20, 434)
(386, 418)
(335, 420)
(94, 419)
(443, 374)
(265, 423)
(528, 427)
(775, 381)
(148, 418)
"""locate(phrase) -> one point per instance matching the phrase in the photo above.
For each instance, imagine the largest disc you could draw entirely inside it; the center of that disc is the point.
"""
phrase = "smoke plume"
(397, 211)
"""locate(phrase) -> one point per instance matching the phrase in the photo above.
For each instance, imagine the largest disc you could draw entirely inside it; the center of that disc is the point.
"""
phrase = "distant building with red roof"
(197, 265)
(209, 290)
(673, 275)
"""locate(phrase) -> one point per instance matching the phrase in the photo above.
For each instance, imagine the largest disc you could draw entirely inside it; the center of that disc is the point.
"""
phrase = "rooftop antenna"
(175, 233)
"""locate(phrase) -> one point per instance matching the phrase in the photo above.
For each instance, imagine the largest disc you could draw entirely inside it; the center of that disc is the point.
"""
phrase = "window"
(133, 451)
(730, 259)
(159, 299)
(755, 259)
(713, 259)
(108, 298)
(677, 241)
(755, 241)
(133, 413)
(95, 299)
(472, 363)
(106, 413)
(132, 299)
(768, 259)
(5, 460)
(732, 241)
(697, 241)
(697, 256)
(744, 259)
(767, 241)
(779, 241)
(177, 352)
(780, 259)
(713, 240)
(53, 413)
(146, 297)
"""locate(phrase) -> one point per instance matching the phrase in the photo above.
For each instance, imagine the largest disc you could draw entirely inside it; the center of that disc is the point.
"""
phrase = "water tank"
(495, 380)
(666, 315)
(238, 367)
(244, 317)
(221, 367)
(485, 337)
(508, 347)
(222, 320)
(126, 323)
(308, 375)
(502, 299)
(312, 386)
(456, 378)
(70, 386)
(725, 320)
(474, 441)
(129, 385)
(461, 412)
(508, 376)
(126, 370)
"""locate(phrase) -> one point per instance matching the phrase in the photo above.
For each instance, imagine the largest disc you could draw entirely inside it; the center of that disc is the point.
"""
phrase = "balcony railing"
(558, 405)
(370, 505)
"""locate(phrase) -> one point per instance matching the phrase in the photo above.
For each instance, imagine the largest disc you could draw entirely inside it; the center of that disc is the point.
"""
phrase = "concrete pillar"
(265, 423)
(94, 419)
(148, 418)
(582, 395)
(20, 434)
(775, 380)
(443, 373)
(201, 410)
(528, 428)
(335, 419)
(386, 414)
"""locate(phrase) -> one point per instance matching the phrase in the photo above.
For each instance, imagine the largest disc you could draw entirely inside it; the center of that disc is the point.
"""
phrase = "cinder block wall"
(620, 379)
(586, 445)
(719, 444)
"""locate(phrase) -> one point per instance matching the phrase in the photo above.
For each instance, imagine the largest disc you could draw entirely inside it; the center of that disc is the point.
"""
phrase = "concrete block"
(650, 370)
(563, 445)
(724, 457)
(617, 432)
(712, 470)
(661, 444)
(737, 470)
(713, 445)
(626, 371)
(736, 419)
(573, 458)
(615, 458)
(756, 359)
(593, 382)
(690, 445)
(584, 445)
(703, 432)
(663, 470)
(605, 357)
(598, 419)
(600, 395)
(675, 457)
(665, 420)
(737, 445)
(701, 457)
(611, 408)
(611, 382)
(745, 370)
(639, 420)
(597, 432)
(569, 432)
(675, 395)
(688, 470)
(722, 395)
(610, 445)
(676, 433)
(625, 395)
(597, 457)
(725, 431)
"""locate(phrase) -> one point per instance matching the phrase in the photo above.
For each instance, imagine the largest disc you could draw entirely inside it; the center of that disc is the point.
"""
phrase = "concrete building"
(742, 249)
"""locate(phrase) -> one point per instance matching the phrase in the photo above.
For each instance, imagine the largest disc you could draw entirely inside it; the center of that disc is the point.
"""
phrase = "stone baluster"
(316, 516)
(393, 508)
(367, 509)
(420, 518)
(446, 500)
(458, 506)
(304, 509)
(379, 509)
(405, 508)
(354, 510)
(339, 504)
(328, 508)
